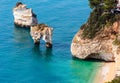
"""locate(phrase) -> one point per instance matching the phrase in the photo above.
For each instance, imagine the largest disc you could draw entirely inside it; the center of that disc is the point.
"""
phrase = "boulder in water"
(23, 16)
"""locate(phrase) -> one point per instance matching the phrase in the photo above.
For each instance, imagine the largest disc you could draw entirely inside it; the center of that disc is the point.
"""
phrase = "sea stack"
(23, 16)
(41, 31)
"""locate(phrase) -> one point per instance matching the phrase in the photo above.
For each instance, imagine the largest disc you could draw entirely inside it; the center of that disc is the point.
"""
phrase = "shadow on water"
(44, 54)
(18, 28)
(22, 35)
(36, 51)
(23, 39)
(87, 60)
(27, 28)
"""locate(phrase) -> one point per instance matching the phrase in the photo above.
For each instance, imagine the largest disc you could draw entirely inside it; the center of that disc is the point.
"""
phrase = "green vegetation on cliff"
(116, 80)
(100, 17)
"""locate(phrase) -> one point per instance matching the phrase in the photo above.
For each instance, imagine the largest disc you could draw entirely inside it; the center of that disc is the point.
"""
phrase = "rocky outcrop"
(105, 45)
(24, 16)
(41, 31)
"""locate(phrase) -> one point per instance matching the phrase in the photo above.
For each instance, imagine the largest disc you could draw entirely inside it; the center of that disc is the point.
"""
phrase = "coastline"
(105, 73)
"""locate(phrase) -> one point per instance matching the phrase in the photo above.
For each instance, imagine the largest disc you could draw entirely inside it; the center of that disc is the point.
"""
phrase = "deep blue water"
(22, 62)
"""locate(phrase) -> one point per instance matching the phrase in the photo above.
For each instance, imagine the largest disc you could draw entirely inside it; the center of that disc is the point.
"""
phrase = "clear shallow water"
(22, 62)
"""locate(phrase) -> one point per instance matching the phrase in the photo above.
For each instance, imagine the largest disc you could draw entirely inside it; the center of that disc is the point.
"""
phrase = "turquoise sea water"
(22, 62)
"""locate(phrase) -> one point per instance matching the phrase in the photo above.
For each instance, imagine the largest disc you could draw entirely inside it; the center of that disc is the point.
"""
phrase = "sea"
(23, 62)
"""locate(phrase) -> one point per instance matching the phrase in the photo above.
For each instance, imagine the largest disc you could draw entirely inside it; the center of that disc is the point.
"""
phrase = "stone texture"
(100, 47)
(105, 46)
(42, 31)
(24, 16)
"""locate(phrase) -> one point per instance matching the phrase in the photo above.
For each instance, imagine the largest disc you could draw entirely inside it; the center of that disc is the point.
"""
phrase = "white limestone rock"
(101, 47)
(24, 16)
(41, 31)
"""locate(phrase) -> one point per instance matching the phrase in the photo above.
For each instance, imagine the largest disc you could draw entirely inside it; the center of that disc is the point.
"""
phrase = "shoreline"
(105, 73)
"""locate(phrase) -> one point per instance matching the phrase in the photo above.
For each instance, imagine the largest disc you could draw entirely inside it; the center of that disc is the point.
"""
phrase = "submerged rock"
(24, 16)
(41, 31)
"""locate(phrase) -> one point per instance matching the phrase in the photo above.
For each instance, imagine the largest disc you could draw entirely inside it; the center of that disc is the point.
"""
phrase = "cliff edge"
(104, 46)
(99, 37)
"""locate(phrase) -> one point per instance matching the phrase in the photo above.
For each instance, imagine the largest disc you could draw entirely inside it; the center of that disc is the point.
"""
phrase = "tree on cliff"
(110, 4)
(94, 3)
(107, 4)
(99, 17)
(116, 80)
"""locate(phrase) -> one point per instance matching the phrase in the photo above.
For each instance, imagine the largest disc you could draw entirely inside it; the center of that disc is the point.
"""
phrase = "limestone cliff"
(103, 46)
(24, 16)
(98, 37)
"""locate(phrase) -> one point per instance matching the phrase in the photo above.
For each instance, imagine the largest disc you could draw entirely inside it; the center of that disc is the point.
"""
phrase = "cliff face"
(104, 46)
(99, 37)
(24, 16)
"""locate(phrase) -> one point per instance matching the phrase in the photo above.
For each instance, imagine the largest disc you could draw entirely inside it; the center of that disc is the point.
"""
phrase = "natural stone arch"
(41, 31)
